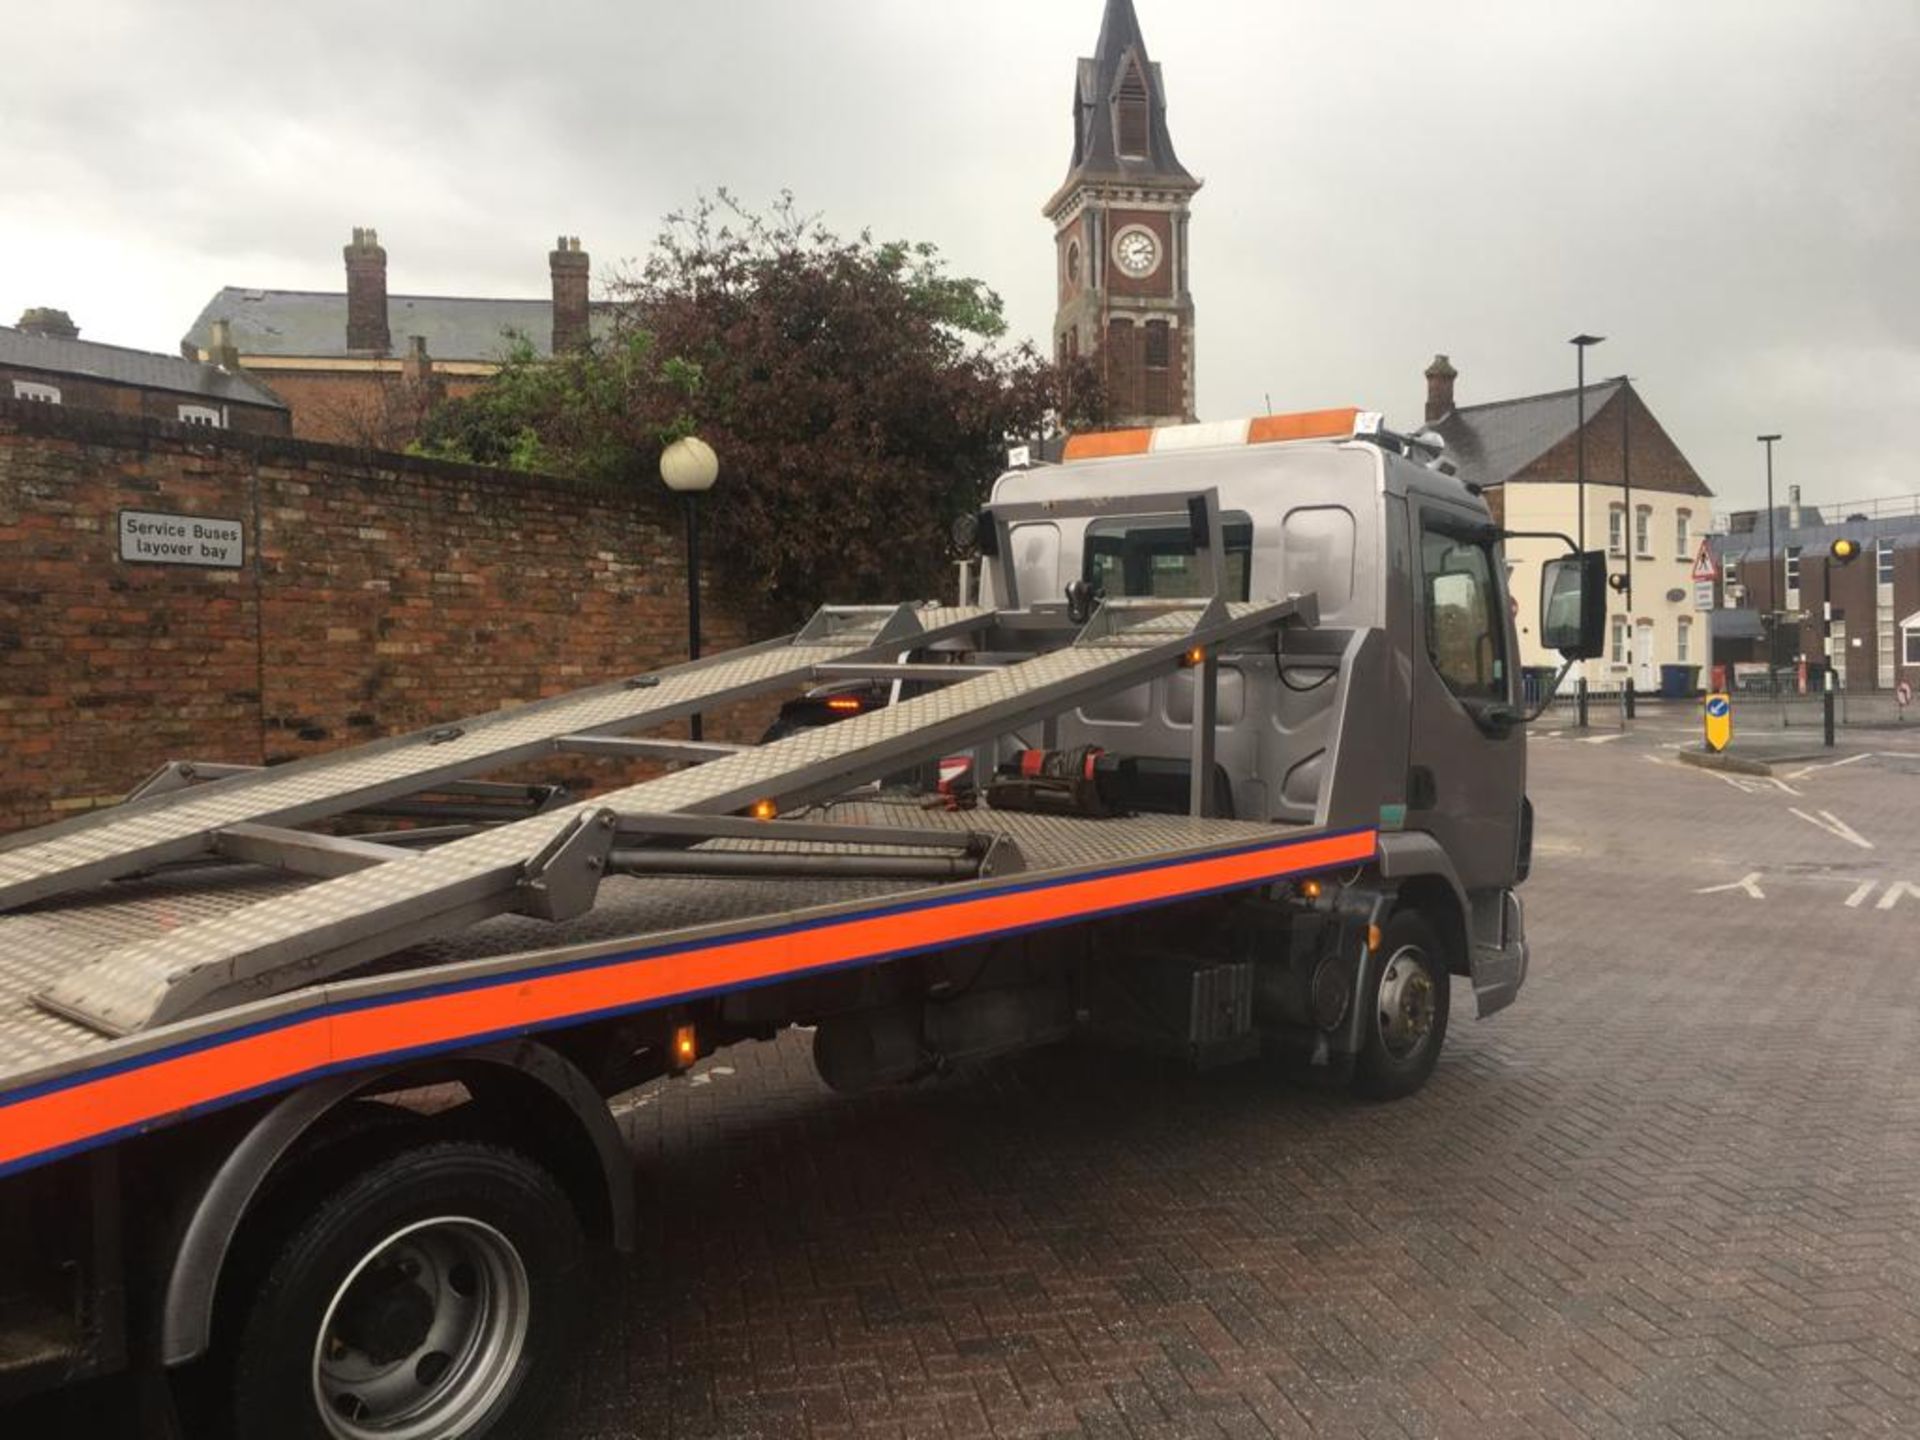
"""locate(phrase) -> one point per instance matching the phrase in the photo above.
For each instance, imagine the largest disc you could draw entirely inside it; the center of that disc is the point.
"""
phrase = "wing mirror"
(1573, 605)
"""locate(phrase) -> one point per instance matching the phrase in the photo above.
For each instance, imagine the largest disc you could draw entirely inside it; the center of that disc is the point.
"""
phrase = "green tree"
(860, 396)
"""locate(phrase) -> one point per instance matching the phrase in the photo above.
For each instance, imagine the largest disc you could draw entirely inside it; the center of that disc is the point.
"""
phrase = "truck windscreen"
(1156, 559)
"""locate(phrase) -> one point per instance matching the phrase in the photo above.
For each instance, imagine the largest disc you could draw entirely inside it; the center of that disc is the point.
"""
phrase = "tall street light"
(1773, 595)
(1580, 344)
(690, 467)
(1633, 527)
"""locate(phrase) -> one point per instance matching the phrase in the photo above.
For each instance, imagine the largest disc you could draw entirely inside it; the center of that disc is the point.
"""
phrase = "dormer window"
(1130, 114)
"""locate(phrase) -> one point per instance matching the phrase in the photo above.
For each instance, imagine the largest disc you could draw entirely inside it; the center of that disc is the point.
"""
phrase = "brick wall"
(379, 595)
(359, 407)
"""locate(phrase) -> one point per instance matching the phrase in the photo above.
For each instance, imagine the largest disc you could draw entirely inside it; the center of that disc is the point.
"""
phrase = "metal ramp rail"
(171, 823)
(382, 899)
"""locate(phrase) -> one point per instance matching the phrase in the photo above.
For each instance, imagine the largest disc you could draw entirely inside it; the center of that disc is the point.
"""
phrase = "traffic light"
(1844, 551)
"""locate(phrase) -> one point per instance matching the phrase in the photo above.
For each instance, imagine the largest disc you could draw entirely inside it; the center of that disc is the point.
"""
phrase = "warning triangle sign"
(1703, 566)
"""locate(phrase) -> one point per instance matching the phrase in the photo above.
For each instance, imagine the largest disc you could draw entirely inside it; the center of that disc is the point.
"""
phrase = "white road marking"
(1750, 883)
(1860, 893)
(1601, 739)
(1895, 890)
(1802, 773)
(1833, 825)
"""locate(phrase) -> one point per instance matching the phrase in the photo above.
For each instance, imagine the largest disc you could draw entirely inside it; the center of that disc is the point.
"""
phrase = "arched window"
(1154, 362)
(1130, 113)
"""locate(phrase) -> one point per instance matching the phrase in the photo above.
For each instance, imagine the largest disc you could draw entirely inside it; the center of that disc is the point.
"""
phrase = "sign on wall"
(148, 537)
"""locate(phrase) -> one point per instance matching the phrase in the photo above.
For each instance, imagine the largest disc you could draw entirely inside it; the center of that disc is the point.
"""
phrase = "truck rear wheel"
(431, 1296)
(1406, 1023)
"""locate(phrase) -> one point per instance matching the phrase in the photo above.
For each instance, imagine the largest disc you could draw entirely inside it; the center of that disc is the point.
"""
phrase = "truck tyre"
(1406, 1019)
(431, 1296)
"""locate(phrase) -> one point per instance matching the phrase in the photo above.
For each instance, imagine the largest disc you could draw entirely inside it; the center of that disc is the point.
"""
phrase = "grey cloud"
(1724, 188)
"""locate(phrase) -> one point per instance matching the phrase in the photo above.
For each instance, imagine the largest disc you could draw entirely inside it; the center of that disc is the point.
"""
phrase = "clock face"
(1136, 252)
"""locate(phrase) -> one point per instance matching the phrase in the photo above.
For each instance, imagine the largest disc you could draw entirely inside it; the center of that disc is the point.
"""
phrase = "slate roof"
(1493, 443)
(312, 324)
(144, 368)
(1096, 156)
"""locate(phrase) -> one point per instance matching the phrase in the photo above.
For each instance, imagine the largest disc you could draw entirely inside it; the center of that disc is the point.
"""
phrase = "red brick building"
(44, 359)
(1120, 233)
(1876, 597)
(361, 366)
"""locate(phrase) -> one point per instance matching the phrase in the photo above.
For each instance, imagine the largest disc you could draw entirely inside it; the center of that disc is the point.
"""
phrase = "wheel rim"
(424, 1333)
(1405, 1010)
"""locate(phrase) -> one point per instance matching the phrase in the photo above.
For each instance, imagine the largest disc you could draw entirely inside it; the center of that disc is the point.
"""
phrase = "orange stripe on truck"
(1104, 444)
(1302, 425)
(357, 1034)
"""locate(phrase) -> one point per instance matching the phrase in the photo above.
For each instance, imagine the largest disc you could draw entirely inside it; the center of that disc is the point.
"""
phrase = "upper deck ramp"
(549, 863)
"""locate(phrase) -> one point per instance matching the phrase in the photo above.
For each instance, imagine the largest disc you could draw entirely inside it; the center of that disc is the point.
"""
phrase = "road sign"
(1903, 694)
(1703, 594)
(1703, 566)
(1719, 717)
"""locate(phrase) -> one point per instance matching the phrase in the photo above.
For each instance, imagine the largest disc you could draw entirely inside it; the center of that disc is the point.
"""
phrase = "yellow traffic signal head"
(1844, 551)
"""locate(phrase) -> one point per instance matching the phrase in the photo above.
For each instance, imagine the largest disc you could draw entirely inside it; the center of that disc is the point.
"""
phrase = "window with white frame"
(1910, 639)
(1683, 535)
(1643, 531)
(1883, 562)
(1683, 642)
(1617, 529)
(1619, 648)
(1883, 646)
(34, 390)
(203, 415)
(1790, 576)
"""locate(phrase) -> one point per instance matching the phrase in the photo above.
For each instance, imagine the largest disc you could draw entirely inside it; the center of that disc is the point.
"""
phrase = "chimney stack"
(221, 350)
(417, 368)
(45, 320)
(367, 293)
(1440, 378)
(569, 267)
(1793, 507)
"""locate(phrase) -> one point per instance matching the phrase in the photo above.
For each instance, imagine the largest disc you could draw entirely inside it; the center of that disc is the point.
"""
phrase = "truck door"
(1466, 755)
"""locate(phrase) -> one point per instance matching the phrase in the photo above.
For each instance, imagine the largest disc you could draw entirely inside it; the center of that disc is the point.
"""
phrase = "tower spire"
(1120, 231)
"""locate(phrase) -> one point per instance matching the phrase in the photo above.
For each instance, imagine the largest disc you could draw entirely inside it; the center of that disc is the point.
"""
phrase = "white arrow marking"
(1835, 826)
(1860, 893)
(1749, 883)
(1895, 891)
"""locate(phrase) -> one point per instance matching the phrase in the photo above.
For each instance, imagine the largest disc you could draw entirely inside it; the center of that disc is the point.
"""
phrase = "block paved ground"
(1673, 1192)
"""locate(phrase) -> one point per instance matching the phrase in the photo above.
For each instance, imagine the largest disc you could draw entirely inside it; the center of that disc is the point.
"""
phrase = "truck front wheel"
(1406, 984)
(431, 1295)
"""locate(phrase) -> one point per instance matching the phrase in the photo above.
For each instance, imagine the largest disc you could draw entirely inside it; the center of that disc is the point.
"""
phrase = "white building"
(1646, 506)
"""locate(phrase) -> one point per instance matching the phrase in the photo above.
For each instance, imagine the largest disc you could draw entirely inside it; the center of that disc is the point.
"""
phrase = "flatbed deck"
(647, 942)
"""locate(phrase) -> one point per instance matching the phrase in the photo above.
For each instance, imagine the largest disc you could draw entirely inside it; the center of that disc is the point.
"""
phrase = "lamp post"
(1580, 344)
(1633, 527)
(690, 467)
(1773, 595)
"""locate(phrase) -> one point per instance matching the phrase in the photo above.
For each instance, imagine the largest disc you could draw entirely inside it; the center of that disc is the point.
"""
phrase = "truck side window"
(1465, 636)
(1156, 560)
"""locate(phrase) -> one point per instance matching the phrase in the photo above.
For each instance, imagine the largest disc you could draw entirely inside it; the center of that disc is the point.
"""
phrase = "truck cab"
(1400, 708)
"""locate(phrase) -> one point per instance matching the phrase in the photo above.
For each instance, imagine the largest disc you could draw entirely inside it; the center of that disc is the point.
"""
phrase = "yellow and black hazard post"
(1719, 721)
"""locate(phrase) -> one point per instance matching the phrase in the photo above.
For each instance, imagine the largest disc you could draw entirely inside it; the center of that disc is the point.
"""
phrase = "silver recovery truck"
(304, 1070)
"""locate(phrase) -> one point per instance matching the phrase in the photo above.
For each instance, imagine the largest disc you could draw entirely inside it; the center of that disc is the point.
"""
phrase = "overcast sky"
(1729, 190)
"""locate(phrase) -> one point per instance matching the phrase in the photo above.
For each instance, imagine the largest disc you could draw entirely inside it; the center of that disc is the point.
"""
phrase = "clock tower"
(1120, 233)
